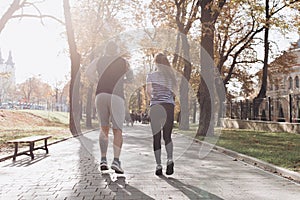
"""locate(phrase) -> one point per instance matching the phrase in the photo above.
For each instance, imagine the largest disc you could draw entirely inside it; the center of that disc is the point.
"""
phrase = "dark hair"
(164, 66)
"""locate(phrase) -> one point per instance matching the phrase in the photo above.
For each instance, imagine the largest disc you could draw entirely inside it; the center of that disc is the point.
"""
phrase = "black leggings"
(162, 118)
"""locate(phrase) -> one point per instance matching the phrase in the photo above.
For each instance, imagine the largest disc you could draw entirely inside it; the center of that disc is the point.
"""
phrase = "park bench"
(30, 140)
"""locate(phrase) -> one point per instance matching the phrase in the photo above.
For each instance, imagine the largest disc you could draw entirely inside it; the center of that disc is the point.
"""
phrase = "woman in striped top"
(161, 85)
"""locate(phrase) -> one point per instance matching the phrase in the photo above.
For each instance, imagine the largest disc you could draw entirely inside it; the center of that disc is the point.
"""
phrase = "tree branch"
(10, 11)
(220, 6)
(39, 16)
(282, 7)
(193, 16)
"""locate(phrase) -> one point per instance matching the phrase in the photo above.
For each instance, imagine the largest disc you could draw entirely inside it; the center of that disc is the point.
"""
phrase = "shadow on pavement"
(94, 185)
(123, 190)
(190, 191)
(26, 161)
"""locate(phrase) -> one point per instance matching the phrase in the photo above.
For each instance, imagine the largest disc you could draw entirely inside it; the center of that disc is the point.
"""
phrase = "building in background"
(282, 102)
(7, 78)
(284, 91)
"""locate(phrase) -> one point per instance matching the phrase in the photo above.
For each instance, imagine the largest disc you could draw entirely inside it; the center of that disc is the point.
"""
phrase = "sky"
(41, 50)
(37, 50)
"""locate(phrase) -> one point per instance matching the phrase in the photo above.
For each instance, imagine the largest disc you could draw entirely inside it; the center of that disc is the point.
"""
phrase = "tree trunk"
(75, 75)
(89, 107)
(184, 85)
(220, 99)
(205, 116)
(205, 92)
(89, 104)
(176, 54)
(194, 110)
(263, 89)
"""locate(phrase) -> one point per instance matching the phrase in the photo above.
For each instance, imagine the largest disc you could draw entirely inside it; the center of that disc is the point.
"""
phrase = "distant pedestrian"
(161, 85)
(132, 118)
(112, 71)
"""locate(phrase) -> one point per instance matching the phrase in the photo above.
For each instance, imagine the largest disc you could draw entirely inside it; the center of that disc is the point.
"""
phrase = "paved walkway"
(70, 171)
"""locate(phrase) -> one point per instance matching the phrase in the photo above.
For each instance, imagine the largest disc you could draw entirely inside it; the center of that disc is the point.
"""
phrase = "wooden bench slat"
(30, 139)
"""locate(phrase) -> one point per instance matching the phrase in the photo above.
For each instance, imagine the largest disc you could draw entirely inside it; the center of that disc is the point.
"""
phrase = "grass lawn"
(20, 123)
(61, 118)
(280, 149)
(53, 116)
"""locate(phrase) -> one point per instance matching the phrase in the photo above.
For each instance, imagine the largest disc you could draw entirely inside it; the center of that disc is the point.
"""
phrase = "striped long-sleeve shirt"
(161, 88)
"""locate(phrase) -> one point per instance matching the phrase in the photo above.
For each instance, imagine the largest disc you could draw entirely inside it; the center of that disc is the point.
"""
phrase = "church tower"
(10, 68)
(7, 78)
(1, 59)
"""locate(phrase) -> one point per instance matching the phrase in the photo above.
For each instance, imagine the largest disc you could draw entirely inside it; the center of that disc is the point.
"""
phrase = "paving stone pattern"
(70, 171)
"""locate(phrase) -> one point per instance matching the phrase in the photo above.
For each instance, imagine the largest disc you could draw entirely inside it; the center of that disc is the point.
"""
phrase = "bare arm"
(149, 89)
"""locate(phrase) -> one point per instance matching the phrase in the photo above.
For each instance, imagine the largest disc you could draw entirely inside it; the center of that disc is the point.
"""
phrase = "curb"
(288, 174)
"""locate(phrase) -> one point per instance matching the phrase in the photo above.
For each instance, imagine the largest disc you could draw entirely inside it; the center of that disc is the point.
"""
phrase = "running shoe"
(117, 167)
(170, 167)
(103, 165)
(158, 170)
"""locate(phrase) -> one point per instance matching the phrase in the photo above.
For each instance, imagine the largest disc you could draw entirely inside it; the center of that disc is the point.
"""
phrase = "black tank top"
(111, 71)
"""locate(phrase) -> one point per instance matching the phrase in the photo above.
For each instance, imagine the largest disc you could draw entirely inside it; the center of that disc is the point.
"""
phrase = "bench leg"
(31, 148)
(16, 151)
(46, 147)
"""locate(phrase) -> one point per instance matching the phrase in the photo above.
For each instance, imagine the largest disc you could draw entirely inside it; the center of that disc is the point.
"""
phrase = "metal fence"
(279, 109)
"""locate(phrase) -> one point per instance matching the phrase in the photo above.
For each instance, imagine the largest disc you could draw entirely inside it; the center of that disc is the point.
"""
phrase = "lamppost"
(291, 106)
(139, 98)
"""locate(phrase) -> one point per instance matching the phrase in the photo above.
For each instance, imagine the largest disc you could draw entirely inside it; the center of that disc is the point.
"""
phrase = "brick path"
(70, 171)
